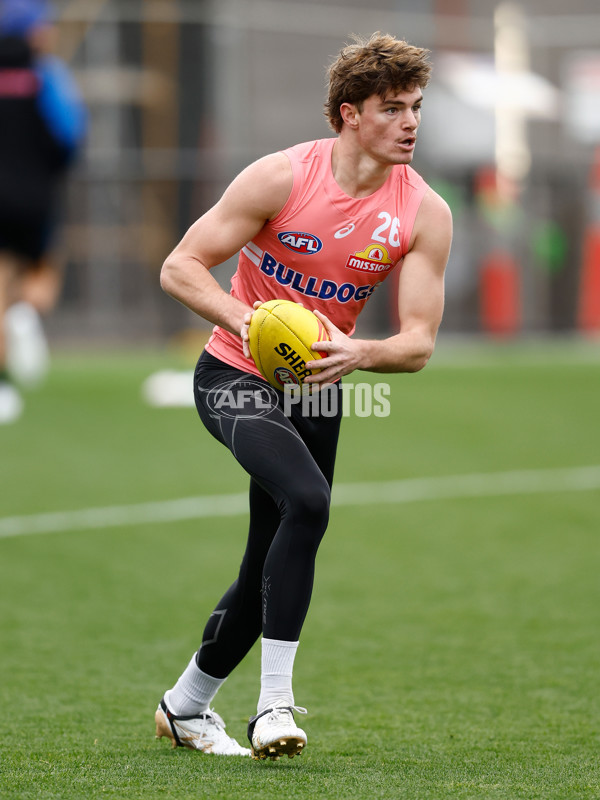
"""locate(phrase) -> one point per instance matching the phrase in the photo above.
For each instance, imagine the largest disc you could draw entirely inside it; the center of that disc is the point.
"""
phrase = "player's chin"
(404, 157)
(403, 153)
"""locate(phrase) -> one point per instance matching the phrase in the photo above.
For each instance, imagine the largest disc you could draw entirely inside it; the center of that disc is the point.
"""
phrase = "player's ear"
(349, 113)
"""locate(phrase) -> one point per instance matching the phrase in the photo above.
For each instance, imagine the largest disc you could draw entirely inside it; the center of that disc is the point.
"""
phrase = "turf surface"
(452, 646)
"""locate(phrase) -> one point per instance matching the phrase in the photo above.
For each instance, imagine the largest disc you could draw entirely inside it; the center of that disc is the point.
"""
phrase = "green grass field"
(452, 649)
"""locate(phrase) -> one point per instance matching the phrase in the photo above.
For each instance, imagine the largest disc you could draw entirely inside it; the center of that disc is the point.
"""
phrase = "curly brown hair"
(371, 66)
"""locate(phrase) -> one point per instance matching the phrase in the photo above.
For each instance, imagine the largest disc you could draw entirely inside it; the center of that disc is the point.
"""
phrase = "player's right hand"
(245, 328)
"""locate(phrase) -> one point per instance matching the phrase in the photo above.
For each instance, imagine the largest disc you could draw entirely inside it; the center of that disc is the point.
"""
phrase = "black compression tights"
(290, 460)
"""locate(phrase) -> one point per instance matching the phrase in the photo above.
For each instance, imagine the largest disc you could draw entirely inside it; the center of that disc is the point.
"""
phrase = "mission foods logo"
(374, 258)
(304, 243)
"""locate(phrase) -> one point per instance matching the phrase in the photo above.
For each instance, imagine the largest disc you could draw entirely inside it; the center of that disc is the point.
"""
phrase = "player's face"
(387, 127)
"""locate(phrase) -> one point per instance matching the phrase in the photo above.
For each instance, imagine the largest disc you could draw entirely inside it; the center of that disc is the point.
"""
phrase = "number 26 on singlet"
(388, 231)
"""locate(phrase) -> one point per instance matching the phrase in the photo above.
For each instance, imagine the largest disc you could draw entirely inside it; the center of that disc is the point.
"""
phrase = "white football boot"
(11, 403)
(274, 732)
(205, 732)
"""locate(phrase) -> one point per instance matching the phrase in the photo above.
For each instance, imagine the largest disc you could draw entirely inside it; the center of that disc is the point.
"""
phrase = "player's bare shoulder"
(267, 183)
(434, 210)
(433, 224)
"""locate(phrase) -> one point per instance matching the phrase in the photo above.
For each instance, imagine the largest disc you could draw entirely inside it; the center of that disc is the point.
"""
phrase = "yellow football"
(280, 337)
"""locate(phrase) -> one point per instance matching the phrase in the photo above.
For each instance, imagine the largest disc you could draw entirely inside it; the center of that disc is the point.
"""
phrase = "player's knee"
(311, 504)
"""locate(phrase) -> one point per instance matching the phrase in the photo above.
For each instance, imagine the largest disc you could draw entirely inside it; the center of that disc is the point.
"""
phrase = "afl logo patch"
(304, 243)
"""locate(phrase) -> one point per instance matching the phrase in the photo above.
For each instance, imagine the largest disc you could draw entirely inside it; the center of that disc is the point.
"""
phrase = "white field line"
(495, 484)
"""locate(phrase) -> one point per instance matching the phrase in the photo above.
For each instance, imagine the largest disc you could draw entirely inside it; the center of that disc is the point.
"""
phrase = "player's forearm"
(404, 352)
(188, 281)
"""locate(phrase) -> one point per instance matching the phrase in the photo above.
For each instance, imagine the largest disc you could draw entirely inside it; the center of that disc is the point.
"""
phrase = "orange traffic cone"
(499, 275)
(588, 310)
(499, 294)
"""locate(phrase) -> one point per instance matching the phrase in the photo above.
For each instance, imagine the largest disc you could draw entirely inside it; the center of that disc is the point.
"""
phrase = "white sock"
(27, 354)
(277, 665)
(193, 692)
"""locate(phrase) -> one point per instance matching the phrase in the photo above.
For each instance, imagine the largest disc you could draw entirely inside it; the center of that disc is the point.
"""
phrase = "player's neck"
(355, 171)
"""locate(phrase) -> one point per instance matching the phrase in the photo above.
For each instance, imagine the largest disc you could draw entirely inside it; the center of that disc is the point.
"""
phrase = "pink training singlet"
(325, 249)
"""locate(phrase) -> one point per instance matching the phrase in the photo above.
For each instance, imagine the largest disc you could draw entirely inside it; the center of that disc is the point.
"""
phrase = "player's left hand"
(340, 355)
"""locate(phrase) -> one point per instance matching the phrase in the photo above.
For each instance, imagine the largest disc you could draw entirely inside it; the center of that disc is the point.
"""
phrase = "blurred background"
(182, 94)
(475, 591)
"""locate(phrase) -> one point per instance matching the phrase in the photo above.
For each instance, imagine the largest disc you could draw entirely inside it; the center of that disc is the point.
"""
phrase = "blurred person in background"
(42, 125)
(356, 198)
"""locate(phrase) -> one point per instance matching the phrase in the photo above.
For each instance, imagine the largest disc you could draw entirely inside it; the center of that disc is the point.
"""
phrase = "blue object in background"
(19, 17)
(60, 103)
